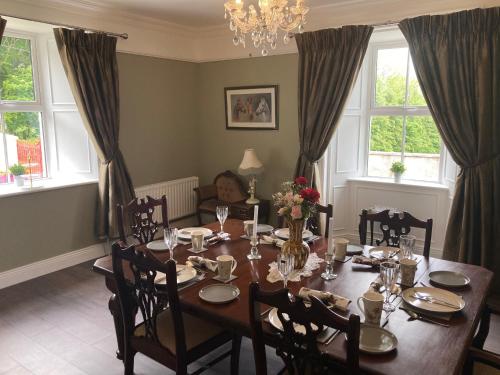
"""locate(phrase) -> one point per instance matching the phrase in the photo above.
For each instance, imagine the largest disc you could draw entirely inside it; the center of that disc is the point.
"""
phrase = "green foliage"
(398, 167)
(17, 169)
(387, 131)
(16, 84)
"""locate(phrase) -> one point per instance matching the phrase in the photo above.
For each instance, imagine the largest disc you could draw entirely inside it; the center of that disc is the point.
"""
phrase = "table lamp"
(251, 166)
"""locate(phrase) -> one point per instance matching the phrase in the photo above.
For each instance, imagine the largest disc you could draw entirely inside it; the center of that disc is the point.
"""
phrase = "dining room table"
(423, 347)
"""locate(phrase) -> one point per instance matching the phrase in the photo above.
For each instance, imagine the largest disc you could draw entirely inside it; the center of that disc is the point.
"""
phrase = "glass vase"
(295, 245)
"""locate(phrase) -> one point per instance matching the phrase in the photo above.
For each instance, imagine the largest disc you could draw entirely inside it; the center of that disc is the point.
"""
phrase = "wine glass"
(328, 274)
(170, 238)
(389, 275)
(285, 266)
(407, 244)
(222, 212)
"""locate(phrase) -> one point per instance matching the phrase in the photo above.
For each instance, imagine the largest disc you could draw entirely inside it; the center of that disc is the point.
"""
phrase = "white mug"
(372, 307)
(341, 248)
(225, 266)
(407, 267)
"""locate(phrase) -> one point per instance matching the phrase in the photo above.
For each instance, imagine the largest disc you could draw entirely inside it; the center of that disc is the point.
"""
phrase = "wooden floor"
(60, 324)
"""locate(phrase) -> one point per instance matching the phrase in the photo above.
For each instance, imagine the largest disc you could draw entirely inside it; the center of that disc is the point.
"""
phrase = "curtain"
(3, 22)
(89, 60)
(329, 63)
(457, 62)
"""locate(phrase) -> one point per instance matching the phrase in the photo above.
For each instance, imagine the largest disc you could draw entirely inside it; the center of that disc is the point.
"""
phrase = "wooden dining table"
(423, 348)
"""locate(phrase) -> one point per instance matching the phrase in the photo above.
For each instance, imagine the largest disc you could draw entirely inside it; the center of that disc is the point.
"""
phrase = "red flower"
(310, 194)
(301, 181)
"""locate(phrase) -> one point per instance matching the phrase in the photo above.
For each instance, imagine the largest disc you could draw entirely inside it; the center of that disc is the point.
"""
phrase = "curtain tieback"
(482, 161)
(112, 156)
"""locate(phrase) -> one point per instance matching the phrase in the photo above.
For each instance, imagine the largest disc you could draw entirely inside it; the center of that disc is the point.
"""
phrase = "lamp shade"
(250, 165)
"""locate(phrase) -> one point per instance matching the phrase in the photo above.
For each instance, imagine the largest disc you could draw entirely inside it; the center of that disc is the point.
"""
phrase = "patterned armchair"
(227, 189)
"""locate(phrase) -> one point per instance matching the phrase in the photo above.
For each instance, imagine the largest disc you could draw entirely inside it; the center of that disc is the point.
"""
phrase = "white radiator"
(181, 199)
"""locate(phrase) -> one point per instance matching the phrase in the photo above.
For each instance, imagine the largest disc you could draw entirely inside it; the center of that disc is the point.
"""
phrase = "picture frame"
(252, 107)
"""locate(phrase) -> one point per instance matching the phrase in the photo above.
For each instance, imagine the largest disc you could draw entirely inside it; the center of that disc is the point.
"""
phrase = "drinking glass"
(407, 245)
(389, 275)
(222, 212)
(328, 274)
(170, 238)
(285, 266)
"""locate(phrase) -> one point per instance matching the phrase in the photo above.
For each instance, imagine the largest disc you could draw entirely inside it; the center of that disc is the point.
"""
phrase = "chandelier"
(263, 24)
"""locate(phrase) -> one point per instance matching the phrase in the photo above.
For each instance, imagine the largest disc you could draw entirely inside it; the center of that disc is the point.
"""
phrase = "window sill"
(403, 184)
(43, 185)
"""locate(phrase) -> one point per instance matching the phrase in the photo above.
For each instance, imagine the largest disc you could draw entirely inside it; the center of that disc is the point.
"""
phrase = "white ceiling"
(191, 13)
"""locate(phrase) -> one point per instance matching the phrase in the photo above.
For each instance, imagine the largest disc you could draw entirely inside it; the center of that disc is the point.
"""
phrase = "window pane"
(386, 137)
(415, 96)
(16, 70)
(23, 141)
(391, 77)
(422, 149)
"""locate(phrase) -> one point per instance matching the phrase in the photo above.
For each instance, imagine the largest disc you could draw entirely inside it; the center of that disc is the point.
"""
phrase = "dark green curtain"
(457, 61)
(329, 63)
(3, 22)
(89, 60)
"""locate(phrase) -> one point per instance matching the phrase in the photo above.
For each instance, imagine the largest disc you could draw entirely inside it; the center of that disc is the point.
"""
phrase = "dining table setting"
(418, 314)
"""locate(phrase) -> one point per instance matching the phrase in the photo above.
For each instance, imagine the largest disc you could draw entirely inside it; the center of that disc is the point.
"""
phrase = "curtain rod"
(386, 23)
(123, 35)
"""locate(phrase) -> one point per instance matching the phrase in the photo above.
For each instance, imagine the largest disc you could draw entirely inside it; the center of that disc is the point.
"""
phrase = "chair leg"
(235, 354)
(198, 215)
(128, 361)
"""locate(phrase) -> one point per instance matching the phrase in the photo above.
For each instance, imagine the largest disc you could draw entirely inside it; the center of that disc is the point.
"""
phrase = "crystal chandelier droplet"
(265, 21)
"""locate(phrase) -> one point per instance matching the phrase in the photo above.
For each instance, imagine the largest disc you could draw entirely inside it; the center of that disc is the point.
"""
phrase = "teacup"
(407, 267)
(341, 248)
(197, 240)
(225, 266)
(372, 307)
(248, 227)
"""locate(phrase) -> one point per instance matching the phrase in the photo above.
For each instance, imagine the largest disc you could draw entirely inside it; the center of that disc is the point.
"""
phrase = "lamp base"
(252, 200)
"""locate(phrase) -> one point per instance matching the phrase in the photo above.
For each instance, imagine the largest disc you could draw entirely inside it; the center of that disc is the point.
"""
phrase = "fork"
(437, 301)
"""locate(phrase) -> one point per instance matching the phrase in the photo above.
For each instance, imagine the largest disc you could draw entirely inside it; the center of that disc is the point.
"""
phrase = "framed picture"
(251, 107)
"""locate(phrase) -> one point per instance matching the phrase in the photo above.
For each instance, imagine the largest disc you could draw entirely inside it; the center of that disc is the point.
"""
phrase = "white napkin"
(271, 241)
(203, 262)
(335, 300)
(367, 261)
(312, 264)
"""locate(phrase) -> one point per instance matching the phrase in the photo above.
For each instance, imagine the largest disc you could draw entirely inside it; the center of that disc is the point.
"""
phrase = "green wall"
(222, 149)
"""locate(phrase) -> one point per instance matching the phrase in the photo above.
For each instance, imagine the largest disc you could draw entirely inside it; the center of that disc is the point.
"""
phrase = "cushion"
(197, 331)
(209, 205)
(229, 189)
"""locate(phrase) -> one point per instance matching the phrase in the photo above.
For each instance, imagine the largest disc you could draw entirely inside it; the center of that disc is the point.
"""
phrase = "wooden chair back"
(393, 226)
(301, 353)
(313, 222)
(139, 216)
(135, 273)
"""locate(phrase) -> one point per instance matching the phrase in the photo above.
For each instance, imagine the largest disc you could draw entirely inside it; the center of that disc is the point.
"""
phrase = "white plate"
(376, 340)
(284, 234)
(185, 233)
(158, 245)
(219, 293)
(264, 228)
(276, 322)
(437, 293)
(384, 252)
(354, 249)
(184, 274)
(449, 279)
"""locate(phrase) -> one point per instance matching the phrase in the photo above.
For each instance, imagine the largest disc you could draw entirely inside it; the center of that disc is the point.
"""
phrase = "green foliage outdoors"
(387, 131)
(398, 167)
(16, 84)
(17, 169)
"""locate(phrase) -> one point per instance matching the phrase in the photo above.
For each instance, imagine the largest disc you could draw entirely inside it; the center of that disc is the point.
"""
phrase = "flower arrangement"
(296, 201)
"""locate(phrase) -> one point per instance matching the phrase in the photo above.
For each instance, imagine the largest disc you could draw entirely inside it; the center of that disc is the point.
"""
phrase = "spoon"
(414, 316)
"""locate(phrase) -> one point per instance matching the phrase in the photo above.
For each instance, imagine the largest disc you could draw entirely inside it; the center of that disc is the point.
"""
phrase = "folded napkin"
(367, 261)
(334, 300)
(312, 264)
(203, 262)
(378, 283)
(272, 241)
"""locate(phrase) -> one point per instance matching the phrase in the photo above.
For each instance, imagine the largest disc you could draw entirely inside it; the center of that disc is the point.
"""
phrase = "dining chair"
(302, 354)
(165, 333)
(313, 222)
(393, 226)
(138, 214)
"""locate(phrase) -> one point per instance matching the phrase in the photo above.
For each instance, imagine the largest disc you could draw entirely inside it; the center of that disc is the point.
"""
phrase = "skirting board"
(46, 266)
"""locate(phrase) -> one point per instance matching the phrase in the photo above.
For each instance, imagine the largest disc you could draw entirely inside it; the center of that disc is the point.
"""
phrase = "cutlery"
(413, 315)
(265, 312)
(332, 337)
(435, 300)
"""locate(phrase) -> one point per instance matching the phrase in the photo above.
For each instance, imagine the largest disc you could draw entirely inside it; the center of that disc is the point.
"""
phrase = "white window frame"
(404, 111)
(27, 106)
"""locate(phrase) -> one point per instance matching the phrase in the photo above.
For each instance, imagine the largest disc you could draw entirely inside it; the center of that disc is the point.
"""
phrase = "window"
(401, 127)
(40, 127)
